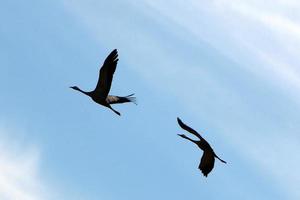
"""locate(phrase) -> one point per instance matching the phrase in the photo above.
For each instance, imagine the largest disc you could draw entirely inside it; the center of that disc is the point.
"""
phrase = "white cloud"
(19, 171)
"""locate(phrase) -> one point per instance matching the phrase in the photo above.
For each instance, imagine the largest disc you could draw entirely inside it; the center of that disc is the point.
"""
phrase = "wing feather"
(106, 73)
(207, 162)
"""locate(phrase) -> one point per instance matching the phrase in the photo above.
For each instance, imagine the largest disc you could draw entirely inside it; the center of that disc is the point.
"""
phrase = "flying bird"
(100, 93)
(208, 158)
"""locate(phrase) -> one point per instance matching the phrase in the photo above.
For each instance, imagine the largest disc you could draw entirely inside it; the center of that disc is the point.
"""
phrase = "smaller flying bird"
(208, 158)
(100, 93)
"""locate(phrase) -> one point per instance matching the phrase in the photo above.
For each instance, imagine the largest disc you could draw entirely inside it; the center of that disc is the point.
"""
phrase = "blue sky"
(228, 68)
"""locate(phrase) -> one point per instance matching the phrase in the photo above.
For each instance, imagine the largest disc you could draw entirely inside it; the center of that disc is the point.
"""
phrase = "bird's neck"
(84, 92)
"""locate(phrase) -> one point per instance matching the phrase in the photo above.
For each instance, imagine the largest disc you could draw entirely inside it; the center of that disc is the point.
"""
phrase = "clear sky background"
(229, 69)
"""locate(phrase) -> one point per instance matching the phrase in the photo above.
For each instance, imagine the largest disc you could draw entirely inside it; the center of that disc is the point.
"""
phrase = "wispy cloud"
(267, 34)
(272, 36)
(19, 171)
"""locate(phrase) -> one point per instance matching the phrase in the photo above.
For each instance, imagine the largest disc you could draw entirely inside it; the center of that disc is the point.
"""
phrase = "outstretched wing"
(189, 129)
(207, 162)
(106, 73)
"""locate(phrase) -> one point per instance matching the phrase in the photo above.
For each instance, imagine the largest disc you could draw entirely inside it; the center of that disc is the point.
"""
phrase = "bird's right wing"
(189, 129)
(106, 73)
(207, 162)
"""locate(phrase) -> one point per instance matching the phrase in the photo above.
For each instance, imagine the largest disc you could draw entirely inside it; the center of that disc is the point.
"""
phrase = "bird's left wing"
(106, 73)
(189, 129)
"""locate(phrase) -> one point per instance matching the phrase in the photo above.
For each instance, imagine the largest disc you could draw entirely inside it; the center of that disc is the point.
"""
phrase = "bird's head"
(75, 88)
(182, 135)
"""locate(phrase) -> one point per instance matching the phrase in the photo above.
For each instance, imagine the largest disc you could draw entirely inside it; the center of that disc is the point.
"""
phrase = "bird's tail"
(117, 99)
(130, 98)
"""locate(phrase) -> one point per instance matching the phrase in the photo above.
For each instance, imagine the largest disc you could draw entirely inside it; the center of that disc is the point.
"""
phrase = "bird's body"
(100, 93)
(208, 158)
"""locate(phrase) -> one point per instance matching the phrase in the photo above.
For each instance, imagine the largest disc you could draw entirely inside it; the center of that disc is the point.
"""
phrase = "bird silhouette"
(100, 93)
(208, 158)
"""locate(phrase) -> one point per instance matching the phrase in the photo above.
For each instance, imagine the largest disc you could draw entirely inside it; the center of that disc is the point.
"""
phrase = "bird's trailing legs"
(223, 161)
(114, 110)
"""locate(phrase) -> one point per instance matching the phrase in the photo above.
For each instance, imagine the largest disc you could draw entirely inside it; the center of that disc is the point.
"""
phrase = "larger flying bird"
(208, 158)
(100, 93)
